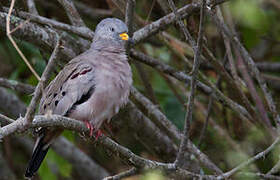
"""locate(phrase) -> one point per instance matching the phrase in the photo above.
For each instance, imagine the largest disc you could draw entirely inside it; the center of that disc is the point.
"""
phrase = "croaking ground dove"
(90, 88)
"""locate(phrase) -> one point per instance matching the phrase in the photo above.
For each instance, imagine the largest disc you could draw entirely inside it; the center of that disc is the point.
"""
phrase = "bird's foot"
(92, 130)
(90, 127)
(98, 133)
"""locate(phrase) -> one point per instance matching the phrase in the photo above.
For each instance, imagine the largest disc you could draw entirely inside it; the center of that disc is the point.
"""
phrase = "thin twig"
(181, 76)
(188, 117)
(150, 11)
(8, 31)
(32, 7)
(251, 65)
(72, 13)
(253, 92)
(160, 120)
(251, 160)
(81, 31)
(115, 148)
(241, 66)
(128, 173)
(42, 83)
(20, 26)
(129, 14)
(17, 86)
(274, 169)
(149, 127)
(146, 82)
(209, 110)
(5, 120)
(257, 175)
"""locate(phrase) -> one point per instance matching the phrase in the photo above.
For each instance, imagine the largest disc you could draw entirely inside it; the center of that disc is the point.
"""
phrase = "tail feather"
(37, 158)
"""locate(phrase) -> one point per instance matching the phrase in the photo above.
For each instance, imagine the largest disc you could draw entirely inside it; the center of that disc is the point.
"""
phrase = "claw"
(98, 134)
(90, 127)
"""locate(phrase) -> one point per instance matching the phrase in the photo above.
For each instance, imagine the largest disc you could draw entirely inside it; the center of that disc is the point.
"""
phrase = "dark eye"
(112, 29)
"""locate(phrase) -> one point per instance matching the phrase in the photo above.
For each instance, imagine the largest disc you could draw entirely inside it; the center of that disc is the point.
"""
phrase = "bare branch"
(275, 169)
(80, 30)
(12, 106)
(160, 119)
(81, 161)
(251, 160)
(129, 14)
(32, 7)
(188, 117)
(72, 12)
(124, 153)
(8, 31)
(17, 86)
(218, 95)
(257, 176)
(162, 23)
(93, 13)
(251, 65)
(128, 173)
(42, 84)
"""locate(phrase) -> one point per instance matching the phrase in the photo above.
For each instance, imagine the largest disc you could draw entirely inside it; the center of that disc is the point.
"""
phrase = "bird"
(91, 88)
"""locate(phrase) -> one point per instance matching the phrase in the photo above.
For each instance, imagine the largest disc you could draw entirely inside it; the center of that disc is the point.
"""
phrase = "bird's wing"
(72, 86)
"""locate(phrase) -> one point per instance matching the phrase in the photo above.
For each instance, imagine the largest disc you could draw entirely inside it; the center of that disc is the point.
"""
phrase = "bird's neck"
(108, 45)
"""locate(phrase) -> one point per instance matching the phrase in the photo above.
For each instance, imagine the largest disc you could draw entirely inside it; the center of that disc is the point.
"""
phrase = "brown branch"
(164, 147)
(218, 95)
(129, 14)
(42, 84)
(8, 32)
(251, 64)
(253, 92)
(72, 13)
(160, 119)
(84, 165)
(209, 110)
(32, 7)
(12, 106)
(274, 169)
(5, 120)
(251, 160)
(162, 23)
(241, 66)
(146, 82)
(81, 161)
(44, 38)
(233, 85)
(128, 173)
(124, 153)
(81, 31)
(188, 117)
(92, 13)
(257, 176)
(17, 86)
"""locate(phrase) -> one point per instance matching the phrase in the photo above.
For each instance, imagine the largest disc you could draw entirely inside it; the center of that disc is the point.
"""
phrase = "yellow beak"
(124, 36)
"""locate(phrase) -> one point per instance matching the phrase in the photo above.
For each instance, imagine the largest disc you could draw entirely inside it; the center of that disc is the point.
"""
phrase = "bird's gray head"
(112, 31)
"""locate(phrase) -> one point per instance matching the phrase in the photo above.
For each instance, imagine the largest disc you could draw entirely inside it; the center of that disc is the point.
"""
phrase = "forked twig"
(9, 32)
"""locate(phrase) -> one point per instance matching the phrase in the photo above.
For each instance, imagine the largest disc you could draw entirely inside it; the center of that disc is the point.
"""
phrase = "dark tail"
(39, 153)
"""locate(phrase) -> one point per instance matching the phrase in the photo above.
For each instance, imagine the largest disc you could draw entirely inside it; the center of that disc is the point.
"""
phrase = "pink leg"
(90, 127)
(98, 134)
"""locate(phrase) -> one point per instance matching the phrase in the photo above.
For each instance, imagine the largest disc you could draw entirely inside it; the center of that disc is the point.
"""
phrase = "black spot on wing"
(83, 99)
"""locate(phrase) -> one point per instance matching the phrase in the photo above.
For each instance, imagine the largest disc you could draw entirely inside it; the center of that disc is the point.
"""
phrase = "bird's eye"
(112, 29)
